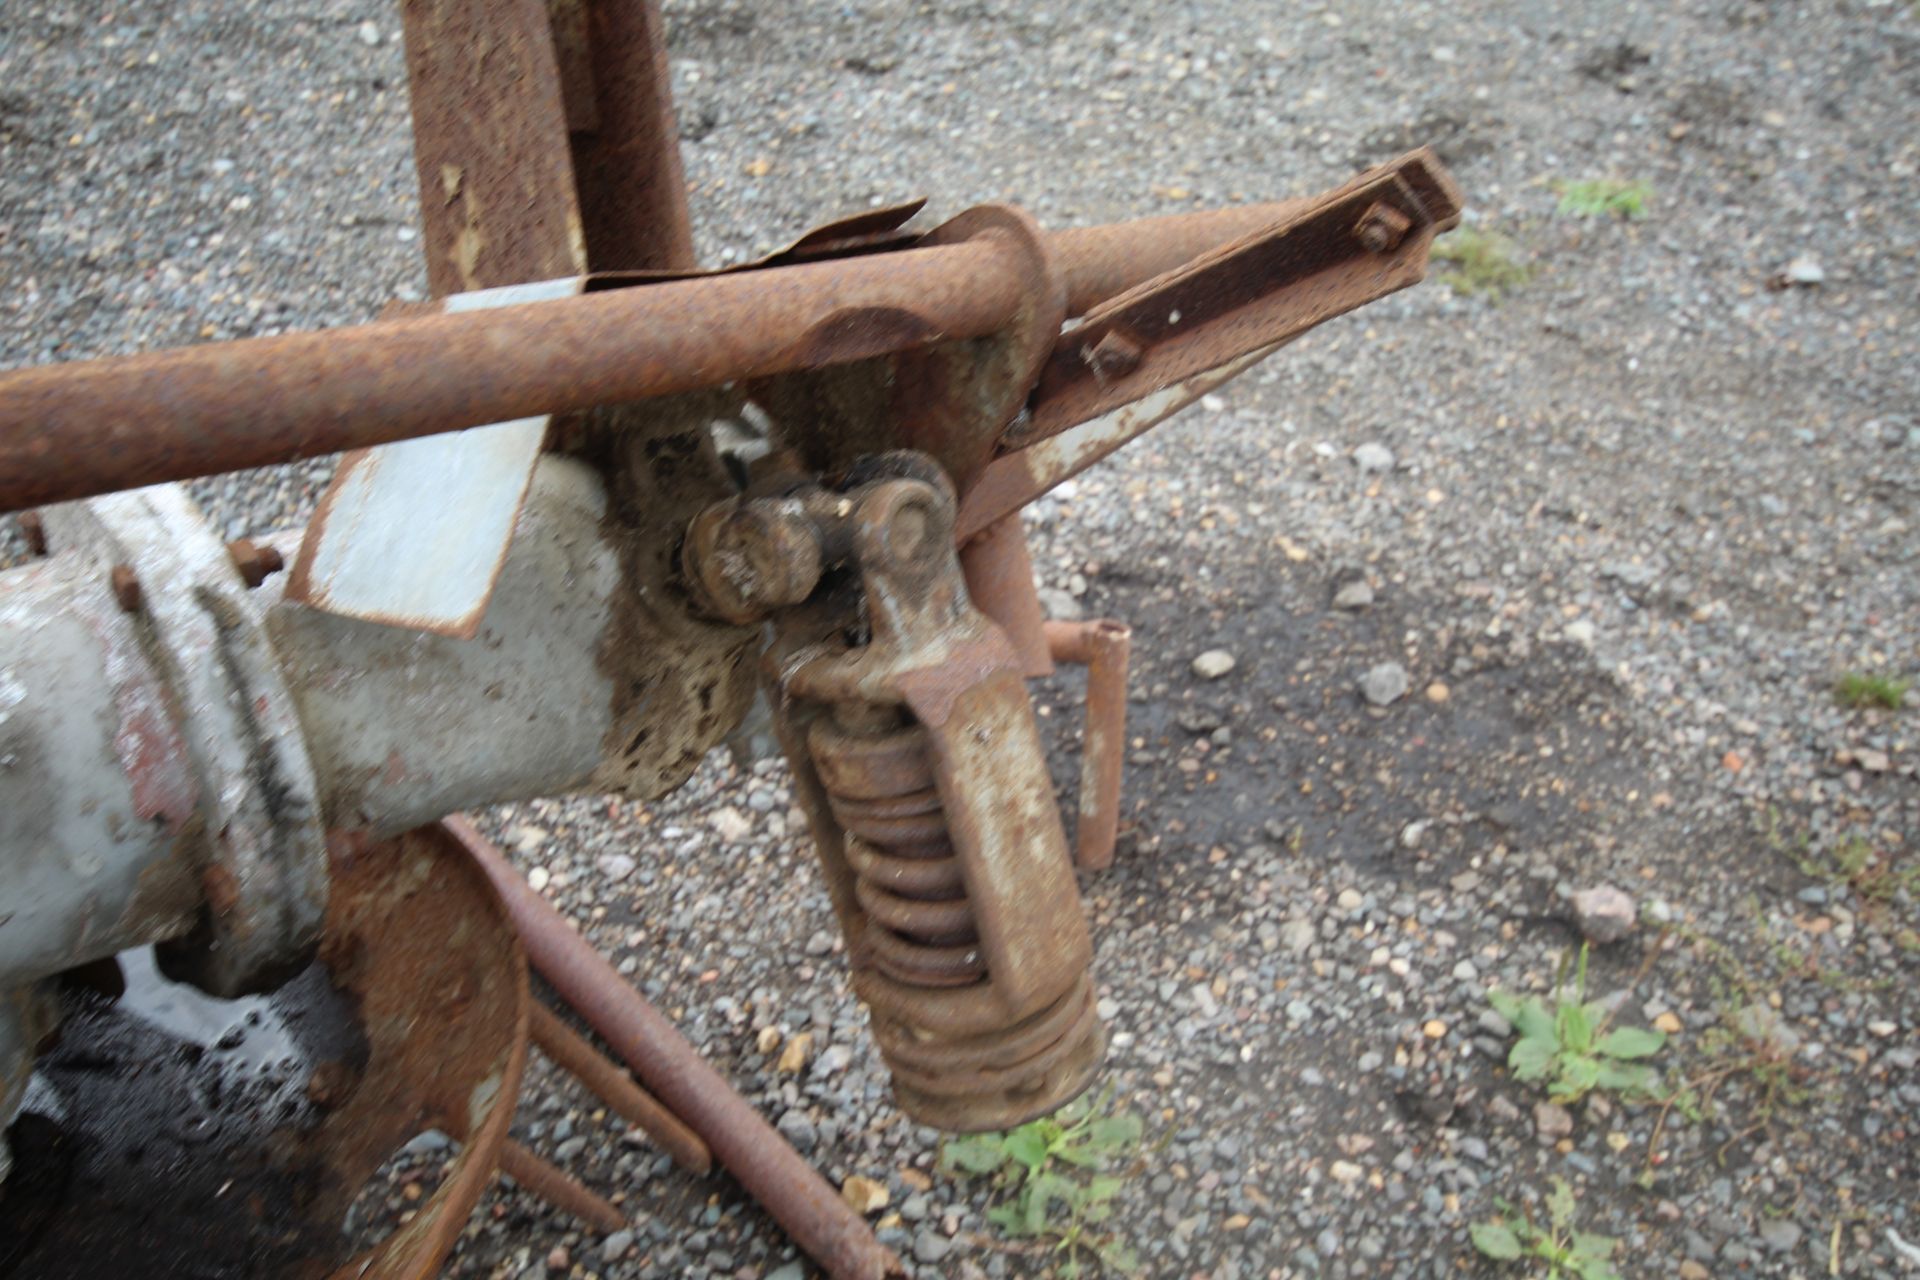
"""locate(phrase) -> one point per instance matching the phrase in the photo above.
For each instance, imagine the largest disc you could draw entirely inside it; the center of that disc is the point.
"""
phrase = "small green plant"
(1857, 690)
(1854, 863)
(1745, 1050)
(1483, 263)
(1870, 872)
(1568, 1044)
(1513, 1237)
(1603, 198)
(1057, 1176)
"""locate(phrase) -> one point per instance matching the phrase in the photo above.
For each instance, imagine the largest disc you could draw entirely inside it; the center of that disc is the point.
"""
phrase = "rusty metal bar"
(569, 1050)
(626, 151)
(71, 431)
(497, 202)
(75, 430)
(1104, 262)
(1102, 647)
(1339, 251)
(558, 1188)
(771, 1171)
(999, 575)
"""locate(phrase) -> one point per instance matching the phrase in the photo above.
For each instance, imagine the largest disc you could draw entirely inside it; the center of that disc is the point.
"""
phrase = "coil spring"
(879, 779)
(983, 1067)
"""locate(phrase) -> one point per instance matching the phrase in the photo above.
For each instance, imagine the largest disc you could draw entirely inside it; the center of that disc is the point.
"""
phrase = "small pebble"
(1213, 664)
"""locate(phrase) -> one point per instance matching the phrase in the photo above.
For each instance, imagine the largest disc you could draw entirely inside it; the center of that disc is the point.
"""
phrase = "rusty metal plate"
(176, 1135)
(1013, 480)
(626, 146)
(1357, 243)
(414, 533)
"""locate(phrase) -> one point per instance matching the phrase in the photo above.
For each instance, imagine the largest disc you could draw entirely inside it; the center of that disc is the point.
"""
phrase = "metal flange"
(260, 855)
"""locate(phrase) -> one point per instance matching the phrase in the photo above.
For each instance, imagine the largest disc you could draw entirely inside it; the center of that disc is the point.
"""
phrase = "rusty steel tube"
(559, 1188)
(770, 1170)
(71, 431)
(999, 575)
(75, 430)
(1104, 262)
(569, 1050)
(1103, 648)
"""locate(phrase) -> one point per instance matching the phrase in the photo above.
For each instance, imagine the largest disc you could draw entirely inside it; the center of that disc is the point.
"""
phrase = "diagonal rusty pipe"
(765, 1164)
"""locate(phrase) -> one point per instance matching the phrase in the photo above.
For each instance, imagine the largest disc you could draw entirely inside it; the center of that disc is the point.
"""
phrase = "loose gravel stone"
(1355, 595)
(1213, 664)
(1373, 456)
(1603, 914)
(1385, 684)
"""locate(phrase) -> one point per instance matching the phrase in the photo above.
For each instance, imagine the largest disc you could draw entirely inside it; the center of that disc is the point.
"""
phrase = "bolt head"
(1382, 228)
(1115, 356)
(126, 587)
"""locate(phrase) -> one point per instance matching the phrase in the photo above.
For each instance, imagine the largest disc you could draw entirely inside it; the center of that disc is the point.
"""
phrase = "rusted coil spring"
(935, 1017)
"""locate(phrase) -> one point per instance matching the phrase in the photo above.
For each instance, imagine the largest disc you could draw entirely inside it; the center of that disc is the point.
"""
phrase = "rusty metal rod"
(1103, 648)
(558, 1188)
(569, 1050)
(1104, 262)
(71, 431)
(999, 574)
(84, 428)
(765, 1164)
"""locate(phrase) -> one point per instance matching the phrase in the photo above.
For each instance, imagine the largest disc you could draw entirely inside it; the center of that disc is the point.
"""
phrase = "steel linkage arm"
(74, 430)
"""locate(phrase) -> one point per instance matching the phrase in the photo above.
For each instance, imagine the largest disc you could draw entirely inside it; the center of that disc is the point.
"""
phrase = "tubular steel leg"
(1102, 647)
(999, 576)
(570, 1051)
(765, 1164)
(626, 156)
(497, 198)
(558, 1188)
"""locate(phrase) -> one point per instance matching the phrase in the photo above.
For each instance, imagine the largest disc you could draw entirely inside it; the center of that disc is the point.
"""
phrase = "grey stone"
(930, 1246)
(1384, 684)
(796, 1128)
(1213, 664)
(1373, 456)
(1355, 595)
(1551, 1121)
(615, 1246)
(1603, 914)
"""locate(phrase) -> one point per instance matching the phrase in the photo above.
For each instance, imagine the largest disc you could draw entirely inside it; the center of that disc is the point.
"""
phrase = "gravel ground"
(1614, 536)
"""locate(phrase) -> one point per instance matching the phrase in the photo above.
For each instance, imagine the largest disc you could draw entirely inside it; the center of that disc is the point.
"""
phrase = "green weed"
(1057, 1176)
(1603, 198)
(1514, 1237)
(1483, 263)
(1874, 875)
(1857, 690)
(1744, 1045)
(1568, 1044)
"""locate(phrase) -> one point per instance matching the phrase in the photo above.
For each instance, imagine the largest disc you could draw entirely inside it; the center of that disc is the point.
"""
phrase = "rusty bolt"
(1382, 228)
(126, 587)
(1115, 356)
(255, 561)
(745, 559)
(34, 529)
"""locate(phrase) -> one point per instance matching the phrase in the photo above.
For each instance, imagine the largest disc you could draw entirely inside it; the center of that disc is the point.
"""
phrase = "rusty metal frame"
(549, 166)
